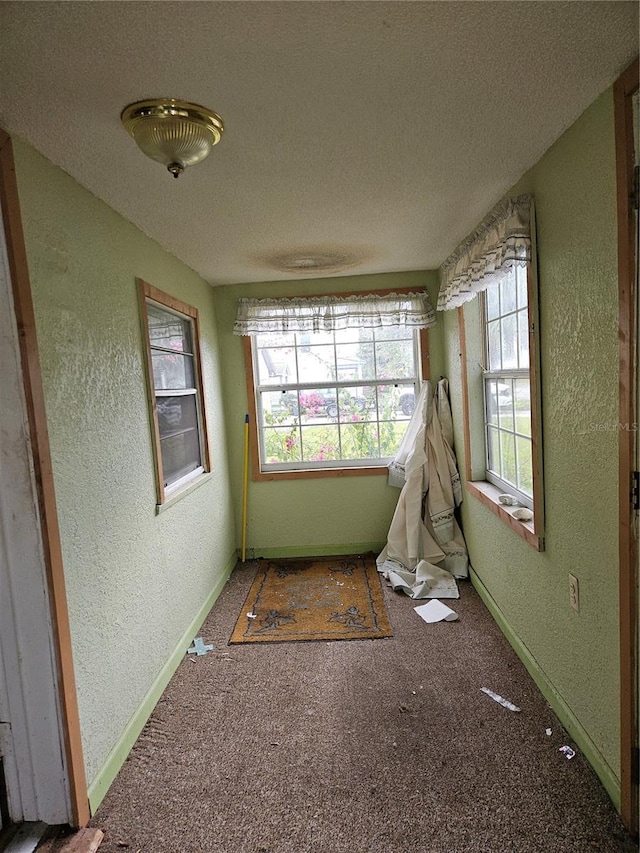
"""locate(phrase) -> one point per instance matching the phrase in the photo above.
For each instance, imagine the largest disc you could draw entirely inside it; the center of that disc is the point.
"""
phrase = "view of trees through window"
(330, 398)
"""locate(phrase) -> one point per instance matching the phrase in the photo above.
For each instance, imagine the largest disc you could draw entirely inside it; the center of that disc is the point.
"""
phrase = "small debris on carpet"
(567, 751)
(199, 647)
(549, 732)
(500, 699)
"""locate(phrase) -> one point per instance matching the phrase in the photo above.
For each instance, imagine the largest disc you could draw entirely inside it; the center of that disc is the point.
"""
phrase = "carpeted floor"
(372, 746)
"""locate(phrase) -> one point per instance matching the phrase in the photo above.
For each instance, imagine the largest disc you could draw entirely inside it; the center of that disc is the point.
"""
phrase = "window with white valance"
(498, 245)
(333, 313)
(500, 362)
(333, 379)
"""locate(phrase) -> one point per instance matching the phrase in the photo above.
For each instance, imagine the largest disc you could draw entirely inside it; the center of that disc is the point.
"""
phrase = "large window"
(507, 386)
(327, 399)
(338, 393)
(176, 402)
(491, 280)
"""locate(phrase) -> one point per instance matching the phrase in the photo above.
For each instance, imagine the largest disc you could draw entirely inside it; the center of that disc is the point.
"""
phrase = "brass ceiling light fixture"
(175, 133)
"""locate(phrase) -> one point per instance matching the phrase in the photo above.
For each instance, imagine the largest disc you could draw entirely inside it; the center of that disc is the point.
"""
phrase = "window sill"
(487, 494)
(314, 473)
(183, 491)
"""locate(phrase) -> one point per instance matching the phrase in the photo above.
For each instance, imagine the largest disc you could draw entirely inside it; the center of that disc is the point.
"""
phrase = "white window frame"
(474, 409)
(166, 491)
(347, 386)
(333, 468)
(507, 375)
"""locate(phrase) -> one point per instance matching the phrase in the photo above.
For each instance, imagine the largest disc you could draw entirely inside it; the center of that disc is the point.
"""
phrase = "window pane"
(320, 442)
(508, 449)
(179, 442)
(522, 405)
(491, 398)
(521, 273)
(523, 333)
(402, 396)
(281, 444)
(360, 439)
(493, 341)
(316, 363)
(279, 407)
(508, 294)
(355, 361)
(504, 402)
(167, 330)
(394, 359)
(172, 371)
(525, 471)
(493, 444)
(276, 365)
(391, 434)
(492, 297)
(361, 400)
(510, 342)
(176, 414)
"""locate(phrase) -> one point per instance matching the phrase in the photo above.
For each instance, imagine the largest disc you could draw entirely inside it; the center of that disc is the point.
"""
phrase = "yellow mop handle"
(245, 486)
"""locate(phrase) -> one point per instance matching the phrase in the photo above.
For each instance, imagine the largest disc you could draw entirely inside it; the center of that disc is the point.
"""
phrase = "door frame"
(623, 90)
(67, 737)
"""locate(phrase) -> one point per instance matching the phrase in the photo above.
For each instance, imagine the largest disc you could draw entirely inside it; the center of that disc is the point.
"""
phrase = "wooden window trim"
(531, 531)
(148, 291)
(319, 473)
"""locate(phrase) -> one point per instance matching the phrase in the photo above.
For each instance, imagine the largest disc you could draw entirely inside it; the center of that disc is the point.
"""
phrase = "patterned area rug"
(316, 598)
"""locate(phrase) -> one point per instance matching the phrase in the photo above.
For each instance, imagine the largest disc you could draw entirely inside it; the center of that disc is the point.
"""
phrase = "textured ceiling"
(373, 134)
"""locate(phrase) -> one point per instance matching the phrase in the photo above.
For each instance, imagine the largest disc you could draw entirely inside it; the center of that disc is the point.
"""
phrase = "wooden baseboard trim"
(564, 713)
(116, 758)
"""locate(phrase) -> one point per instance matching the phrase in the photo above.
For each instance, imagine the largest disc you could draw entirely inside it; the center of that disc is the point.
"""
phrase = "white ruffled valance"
(331, 313)
(501, 242)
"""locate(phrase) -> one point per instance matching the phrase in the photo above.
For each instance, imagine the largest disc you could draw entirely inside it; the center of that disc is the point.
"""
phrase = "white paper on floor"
(436, 611)
(500, 699)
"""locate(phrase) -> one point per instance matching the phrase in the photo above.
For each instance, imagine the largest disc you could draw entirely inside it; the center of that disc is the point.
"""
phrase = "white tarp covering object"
(425, 550)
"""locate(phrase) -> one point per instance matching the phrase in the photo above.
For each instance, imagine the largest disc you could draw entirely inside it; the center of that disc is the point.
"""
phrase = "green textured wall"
(574, 187)
(313, 516)
(135, 580)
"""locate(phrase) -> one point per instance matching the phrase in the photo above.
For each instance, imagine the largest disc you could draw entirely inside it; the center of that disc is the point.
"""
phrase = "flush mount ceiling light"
(318, 260)
(175, 133)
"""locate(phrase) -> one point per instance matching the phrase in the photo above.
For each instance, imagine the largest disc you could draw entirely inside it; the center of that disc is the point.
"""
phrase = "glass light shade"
(175, 133)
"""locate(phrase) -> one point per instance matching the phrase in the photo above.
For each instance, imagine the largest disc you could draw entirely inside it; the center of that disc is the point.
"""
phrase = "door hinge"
(635, 491)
